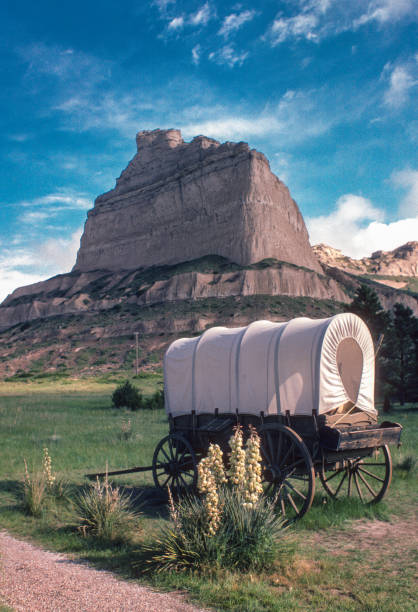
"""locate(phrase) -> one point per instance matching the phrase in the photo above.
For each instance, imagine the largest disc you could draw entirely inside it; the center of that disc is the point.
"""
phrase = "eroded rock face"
(402, 261)
(179, 201)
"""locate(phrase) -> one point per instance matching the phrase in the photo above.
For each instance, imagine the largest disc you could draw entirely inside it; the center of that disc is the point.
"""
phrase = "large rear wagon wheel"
(288, 472)
(174, 465)
(367, 478)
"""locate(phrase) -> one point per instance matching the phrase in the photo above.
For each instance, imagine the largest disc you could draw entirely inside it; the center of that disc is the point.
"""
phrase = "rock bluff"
(179, 201)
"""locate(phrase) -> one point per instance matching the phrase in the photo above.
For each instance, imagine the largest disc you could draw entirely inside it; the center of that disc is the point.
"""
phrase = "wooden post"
(136, 352)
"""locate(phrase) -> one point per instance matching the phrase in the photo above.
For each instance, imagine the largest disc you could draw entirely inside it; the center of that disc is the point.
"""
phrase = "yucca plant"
(246, 538)
(105, 511)
(34, 492)
(230, 525)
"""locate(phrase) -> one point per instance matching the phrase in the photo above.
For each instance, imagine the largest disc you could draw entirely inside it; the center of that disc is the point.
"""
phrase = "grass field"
(335, 558)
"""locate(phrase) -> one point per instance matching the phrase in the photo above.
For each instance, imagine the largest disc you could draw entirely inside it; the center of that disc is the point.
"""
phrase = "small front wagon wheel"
(288, 471)
(174, 465)
(367, 478)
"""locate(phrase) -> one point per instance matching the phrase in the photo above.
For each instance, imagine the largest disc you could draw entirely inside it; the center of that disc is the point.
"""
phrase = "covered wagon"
(306, 385)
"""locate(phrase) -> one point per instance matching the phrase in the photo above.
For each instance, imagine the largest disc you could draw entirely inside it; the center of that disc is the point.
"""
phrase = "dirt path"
(378, 538)
(34, 580)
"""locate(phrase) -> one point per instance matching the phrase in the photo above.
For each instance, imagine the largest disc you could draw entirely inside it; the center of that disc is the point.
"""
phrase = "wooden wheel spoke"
(381, 464)
(165, 481)
(279, 447)
(350, 475)
(292, 503)
(289, 484)
(268, 489)
(333, 475)
(170, 445)
(182, 479)
(283, 461)
(271, 448)
(282, 504)
(295, 463)
(367, 485)
(358, 487)
(341, 483)
(361, 469)
(163, 451)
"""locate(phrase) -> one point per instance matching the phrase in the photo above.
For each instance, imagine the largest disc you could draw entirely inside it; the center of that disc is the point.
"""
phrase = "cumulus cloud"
(386, 11)
(357, 228)
(402, 79)
(176, 24)
(24, 266)
(235, 21)
(202, 15)
(228, 56)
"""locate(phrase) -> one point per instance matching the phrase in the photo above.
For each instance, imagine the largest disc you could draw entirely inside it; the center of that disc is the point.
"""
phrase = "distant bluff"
(179, 201)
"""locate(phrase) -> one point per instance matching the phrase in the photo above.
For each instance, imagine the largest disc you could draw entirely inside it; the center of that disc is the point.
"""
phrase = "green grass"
(315, 570)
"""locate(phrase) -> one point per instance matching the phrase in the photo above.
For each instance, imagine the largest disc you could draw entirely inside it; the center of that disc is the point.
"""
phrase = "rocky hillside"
(397, 268)
(193, 235)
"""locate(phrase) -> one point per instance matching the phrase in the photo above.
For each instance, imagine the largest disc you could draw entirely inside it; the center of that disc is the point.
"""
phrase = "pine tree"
(367, 306)
(400, 363)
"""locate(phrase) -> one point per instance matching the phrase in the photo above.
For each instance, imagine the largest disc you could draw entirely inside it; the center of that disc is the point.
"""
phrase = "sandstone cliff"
(86, 292)
(402, 261)
(178, 201)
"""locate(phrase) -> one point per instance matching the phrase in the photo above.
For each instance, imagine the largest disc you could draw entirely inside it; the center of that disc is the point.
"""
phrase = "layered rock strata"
(85, 292)
(179, 201)
(402, 261)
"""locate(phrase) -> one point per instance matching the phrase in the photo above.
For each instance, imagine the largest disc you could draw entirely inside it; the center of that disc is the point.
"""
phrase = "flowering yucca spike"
(237, 459)
(47, 469)
(253, 483)
(216, 464)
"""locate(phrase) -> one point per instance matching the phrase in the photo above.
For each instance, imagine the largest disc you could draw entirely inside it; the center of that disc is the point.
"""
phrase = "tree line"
(395, 336)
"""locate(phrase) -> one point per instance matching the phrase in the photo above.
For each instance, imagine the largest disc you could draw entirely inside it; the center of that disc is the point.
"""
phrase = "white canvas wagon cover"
(296, 366)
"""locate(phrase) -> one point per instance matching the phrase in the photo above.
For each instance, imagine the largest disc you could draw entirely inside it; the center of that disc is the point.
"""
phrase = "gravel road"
(34, 580)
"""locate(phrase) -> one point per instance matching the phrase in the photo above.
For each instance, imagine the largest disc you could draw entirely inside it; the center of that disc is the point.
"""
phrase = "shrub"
(246, 538)
(127, 396)
(105, 511)
(155, 402)
(231, 525)
(34, 491)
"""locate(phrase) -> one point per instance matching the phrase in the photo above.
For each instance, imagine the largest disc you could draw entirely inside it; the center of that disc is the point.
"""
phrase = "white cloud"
(65, 65)
(35, 217)
(234, 21)
(24, 266)
(401, 81)
(228, 56)
(296, 117)
(163, 4)
(176, 24)
(386, 11)
(357, 228)
(202, 16)
(408, 180)
(300, 26)
(62, 199)
(196, 54)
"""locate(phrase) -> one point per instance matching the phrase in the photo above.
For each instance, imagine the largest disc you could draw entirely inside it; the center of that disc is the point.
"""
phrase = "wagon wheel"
(365, 477)
(174, 465)
(288, 472)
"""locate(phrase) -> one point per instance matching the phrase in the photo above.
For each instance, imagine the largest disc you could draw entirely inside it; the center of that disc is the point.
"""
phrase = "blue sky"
(325, 88)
